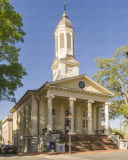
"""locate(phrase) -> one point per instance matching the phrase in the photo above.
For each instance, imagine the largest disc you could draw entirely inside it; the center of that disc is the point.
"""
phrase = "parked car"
(1, 147)
(8, 149)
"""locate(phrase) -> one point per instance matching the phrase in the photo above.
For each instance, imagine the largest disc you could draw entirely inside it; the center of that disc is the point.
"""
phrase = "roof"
(7, 118)
(53, 84)
(64, 21)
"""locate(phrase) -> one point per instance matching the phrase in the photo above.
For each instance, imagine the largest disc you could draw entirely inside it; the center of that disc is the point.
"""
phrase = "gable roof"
(91, 85)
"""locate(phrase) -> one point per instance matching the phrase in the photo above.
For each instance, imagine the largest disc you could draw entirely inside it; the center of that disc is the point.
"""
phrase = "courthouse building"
(7, 130)
(48, 107)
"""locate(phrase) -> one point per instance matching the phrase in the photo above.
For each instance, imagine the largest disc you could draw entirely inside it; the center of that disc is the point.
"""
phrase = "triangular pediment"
(72, 83)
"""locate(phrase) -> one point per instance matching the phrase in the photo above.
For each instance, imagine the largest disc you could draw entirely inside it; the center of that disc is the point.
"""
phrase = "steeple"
(64, 7)
(65, 36)
(65, 49)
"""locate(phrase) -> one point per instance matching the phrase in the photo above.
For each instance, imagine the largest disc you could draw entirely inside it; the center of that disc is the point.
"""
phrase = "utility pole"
(120, 126)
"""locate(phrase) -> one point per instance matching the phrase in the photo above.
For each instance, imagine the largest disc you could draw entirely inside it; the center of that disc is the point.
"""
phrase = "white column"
(107, 117)
(34, 116)
(62, 117)
(71, 101)
(18, 116)
(49, 126)
(94, 120)
(22, 132)
(42, 115)
(90, 116)
(65, 43)
(78, 118)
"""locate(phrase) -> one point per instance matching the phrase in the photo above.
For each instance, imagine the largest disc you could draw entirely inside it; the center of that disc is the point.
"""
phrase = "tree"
(0, 121)
(113, 74)
(11, 71)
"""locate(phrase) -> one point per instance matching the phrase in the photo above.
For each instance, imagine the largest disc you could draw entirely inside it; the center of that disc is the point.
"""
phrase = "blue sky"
(101, 27)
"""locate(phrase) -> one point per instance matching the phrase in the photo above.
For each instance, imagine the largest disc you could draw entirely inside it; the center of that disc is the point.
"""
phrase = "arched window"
(62, 40)
(68, 41)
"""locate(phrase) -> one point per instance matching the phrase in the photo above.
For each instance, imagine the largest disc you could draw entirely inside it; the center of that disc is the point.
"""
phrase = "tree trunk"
(126, 133)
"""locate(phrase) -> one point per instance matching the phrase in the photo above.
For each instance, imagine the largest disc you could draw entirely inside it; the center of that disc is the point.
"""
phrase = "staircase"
(88, 142)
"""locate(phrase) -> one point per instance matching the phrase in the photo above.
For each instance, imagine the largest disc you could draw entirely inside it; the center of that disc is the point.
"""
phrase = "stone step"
(88, 142)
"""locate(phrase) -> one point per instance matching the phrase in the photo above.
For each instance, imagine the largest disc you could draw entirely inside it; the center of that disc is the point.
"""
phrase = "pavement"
(117, 154)
(67, 153)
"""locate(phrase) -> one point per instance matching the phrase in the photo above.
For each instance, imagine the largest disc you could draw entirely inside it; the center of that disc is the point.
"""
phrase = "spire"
(64, 7)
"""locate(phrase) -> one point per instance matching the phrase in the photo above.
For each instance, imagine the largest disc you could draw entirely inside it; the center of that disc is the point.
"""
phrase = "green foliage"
(11, 71)
(117, 131)
(0, 121)
(113, 75)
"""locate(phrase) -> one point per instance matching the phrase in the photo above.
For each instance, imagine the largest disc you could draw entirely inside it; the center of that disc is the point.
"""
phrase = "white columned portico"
(71, 102)
(90, 116)
(49, 126)
(107, 117)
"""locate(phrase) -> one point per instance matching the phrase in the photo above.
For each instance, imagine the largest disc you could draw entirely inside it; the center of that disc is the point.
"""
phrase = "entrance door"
(66, 125)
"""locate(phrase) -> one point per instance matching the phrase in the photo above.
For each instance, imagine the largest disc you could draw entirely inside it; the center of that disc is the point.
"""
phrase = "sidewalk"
(66, 153)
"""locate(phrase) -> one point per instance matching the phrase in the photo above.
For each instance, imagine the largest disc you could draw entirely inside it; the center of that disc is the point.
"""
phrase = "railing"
(99, 132)
(44, 131)
(112, 138)
(84, 131)
(55, 131)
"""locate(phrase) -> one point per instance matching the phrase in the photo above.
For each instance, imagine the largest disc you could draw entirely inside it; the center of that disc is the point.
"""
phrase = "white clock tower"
(65, 65)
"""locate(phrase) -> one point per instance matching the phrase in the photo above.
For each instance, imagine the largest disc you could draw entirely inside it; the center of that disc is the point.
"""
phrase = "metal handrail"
(112, 138)
(84, 131)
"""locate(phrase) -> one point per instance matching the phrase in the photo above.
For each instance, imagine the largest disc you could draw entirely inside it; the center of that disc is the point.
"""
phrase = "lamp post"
(70, 116)
(126, 54)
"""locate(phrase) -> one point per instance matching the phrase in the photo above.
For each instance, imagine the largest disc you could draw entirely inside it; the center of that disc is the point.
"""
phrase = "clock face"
(81, 85)
(69, 70)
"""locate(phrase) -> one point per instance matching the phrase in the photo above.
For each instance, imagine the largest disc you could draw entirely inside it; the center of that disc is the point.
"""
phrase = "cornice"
(79, 91)
(65, 60)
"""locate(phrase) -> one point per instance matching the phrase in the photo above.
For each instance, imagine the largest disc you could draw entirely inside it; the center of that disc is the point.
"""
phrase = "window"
(85, 119)
(53, 118)
(68, 41)
(53, 112)
(86, 123)
(62, 40)
(84, 114)
(53, 122)
(83, 123)
(66, 112)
